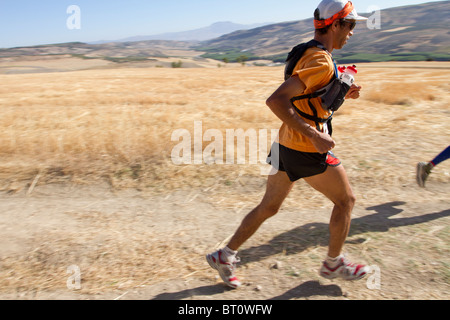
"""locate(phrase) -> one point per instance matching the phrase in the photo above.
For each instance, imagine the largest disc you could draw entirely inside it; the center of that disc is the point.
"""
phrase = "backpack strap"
(315, 118)
(296, 54)
(309, 96)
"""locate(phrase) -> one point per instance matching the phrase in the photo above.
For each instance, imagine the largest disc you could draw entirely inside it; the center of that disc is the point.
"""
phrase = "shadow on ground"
(188, 293)
(313, 234)
(307, 289)
(316, 234)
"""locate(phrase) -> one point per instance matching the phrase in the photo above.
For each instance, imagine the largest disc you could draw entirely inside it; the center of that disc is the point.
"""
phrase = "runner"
(305, 145)
(424, 168)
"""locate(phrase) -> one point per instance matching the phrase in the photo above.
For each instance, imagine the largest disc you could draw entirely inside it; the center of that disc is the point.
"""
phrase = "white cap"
(328, 8)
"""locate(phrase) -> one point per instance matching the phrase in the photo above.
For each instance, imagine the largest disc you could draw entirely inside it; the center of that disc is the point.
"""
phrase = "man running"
(305, 146)
(424, 168)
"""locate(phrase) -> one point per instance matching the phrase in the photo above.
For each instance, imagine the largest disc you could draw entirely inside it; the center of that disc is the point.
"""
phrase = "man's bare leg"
(278, 188)
(335, 186)
(224, 261)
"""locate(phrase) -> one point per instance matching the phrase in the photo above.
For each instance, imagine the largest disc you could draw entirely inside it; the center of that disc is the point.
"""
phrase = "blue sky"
(32, 22)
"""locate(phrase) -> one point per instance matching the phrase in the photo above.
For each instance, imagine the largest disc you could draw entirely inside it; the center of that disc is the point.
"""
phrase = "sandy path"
(133, 245)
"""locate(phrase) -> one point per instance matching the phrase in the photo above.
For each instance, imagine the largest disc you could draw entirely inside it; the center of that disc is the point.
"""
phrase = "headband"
(319, 24)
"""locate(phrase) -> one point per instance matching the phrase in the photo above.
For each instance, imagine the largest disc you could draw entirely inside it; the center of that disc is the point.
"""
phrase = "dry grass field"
(87, 179)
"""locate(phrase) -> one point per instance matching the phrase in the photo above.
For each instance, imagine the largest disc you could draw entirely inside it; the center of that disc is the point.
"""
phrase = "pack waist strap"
(314, 117)
(313, 95)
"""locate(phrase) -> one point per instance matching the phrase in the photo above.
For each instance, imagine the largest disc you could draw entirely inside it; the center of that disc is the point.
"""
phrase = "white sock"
(333, 262)
(228, 254)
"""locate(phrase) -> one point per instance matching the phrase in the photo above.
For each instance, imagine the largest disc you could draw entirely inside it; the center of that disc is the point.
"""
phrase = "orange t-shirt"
(315, 69)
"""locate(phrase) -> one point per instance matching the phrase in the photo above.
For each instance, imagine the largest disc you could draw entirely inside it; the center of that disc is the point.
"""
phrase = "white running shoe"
(226, 269)
(345, 270)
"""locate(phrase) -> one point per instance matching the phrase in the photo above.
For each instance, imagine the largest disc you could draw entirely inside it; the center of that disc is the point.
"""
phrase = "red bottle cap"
(353, 68)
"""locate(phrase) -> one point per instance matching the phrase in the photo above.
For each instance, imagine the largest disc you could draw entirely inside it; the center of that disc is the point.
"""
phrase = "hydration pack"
(332, 96)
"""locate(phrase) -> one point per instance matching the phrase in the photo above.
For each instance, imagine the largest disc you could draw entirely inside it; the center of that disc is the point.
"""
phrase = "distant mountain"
(404, 30)
(122, 51)
(417, 32)
(213, 31)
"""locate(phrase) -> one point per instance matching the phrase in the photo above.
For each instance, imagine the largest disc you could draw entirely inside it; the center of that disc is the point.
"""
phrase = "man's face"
(343, 34)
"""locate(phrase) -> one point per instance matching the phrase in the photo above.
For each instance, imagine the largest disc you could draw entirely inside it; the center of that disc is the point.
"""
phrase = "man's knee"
(269, 209)
(346, 202)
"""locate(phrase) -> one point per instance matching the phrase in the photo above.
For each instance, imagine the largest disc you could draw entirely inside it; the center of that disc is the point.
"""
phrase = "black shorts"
(299, 164)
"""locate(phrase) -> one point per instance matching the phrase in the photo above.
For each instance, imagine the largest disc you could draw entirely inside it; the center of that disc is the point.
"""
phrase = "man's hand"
(322, 141)
(354, 92)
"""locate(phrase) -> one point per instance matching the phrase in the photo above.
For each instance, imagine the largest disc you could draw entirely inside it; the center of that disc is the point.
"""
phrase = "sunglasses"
(352, 24)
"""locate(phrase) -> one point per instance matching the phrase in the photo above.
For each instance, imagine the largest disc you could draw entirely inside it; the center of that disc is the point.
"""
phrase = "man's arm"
(280, 104)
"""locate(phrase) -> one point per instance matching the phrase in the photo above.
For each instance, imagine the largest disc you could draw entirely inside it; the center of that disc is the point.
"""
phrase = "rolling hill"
(202, 34)
(416, 32)
(409, 33)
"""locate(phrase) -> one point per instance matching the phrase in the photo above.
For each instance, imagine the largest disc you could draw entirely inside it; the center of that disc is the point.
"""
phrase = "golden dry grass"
(116, 126)
(98, 124)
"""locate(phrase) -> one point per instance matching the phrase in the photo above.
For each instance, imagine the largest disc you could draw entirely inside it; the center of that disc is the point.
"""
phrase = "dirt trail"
(135, 245)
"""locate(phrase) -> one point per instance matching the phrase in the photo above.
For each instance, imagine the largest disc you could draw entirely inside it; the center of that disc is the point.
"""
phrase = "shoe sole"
(336, 276)
(339, 277)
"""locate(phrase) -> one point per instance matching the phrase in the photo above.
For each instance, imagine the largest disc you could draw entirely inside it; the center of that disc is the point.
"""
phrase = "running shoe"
(423, 171)
(345, 270)
(226, 269)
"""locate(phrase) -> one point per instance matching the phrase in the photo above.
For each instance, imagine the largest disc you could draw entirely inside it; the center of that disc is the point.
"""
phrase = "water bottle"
(348, 74)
